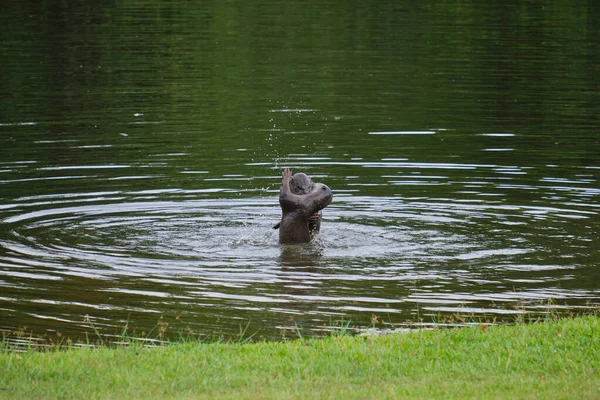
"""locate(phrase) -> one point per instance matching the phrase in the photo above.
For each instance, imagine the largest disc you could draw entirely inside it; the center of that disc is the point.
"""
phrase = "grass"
(552, 359)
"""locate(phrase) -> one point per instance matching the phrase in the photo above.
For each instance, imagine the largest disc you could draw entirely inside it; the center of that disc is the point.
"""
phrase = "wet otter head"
(301, 184)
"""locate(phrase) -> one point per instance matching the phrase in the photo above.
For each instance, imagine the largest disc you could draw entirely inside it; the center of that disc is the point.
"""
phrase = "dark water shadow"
(300, 255)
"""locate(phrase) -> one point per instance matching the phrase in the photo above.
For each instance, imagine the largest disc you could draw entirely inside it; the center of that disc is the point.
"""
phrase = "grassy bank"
(553, 359)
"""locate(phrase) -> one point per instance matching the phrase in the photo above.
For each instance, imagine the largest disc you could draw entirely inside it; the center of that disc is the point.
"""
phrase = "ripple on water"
(214, 258)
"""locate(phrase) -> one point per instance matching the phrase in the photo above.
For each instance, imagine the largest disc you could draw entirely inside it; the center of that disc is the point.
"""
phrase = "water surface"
(142, 149)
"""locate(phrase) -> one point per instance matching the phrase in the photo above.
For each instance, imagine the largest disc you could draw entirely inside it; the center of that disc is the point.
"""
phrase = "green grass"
(545, 360)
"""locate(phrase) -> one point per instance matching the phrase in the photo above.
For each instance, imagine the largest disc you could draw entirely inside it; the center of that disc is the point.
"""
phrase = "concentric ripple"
(211, 265)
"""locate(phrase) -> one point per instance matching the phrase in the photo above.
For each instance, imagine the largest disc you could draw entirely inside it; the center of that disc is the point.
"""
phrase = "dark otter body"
(301, 204)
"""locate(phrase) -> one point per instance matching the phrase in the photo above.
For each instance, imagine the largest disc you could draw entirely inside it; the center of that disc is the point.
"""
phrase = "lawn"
(546, 360)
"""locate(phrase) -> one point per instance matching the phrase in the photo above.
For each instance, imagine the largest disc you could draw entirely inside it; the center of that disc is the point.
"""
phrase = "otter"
(301, 203)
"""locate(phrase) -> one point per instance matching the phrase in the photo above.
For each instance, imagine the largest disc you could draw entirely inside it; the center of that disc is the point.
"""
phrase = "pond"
(143, 144)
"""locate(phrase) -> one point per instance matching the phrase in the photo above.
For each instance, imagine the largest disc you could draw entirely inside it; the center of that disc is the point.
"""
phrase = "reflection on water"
(217, 261)
(142, 153)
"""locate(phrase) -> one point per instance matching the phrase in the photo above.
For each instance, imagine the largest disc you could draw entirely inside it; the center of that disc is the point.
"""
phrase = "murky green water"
(142, 146)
